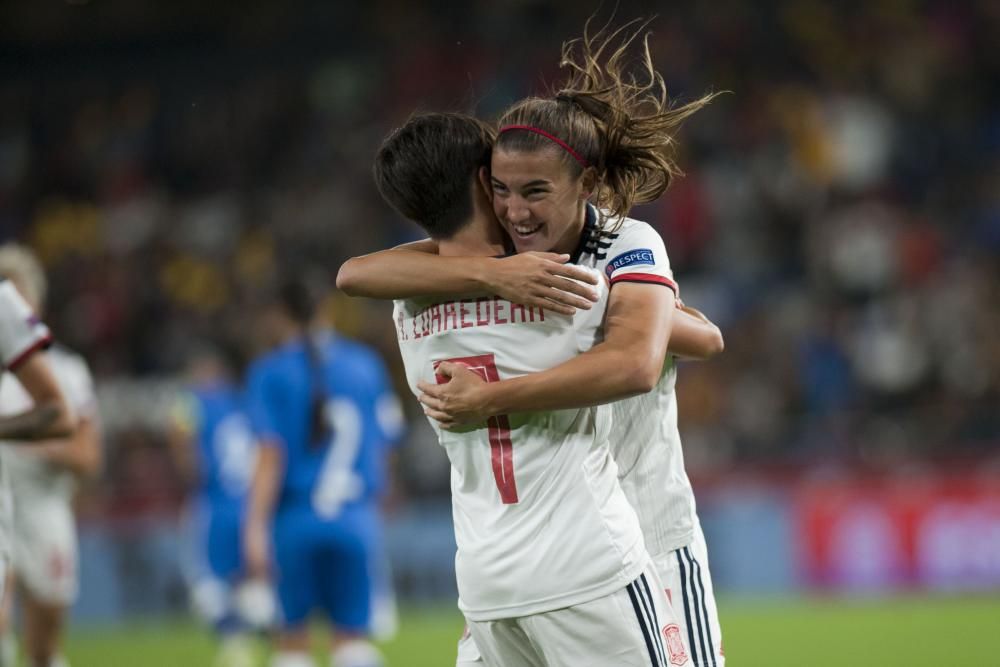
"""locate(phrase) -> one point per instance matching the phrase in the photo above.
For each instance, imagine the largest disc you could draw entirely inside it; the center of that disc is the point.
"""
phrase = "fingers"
(555, 306)
(542, 301)
(443, 419)
(436, 414)
(568, 303)
(433, 393)
(560, 258)
(586, 294)
(556, 265)
(554, 300)
(431, 401)
(562, 295)
(574, 272)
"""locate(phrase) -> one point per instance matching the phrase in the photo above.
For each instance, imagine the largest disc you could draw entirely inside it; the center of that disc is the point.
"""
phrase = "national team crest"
(675, 644)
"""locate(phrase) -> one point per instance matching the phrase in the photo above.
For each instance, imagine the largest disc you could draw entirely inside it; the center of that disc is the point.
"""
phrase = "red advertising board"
(939, 532)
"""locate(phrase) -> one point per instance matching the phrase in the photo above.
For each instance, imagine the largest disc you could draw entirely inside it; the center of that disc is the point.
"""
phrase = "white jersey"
(21, 332)
(645, 441)
(43, 526)
(541, 521)
(28, 474)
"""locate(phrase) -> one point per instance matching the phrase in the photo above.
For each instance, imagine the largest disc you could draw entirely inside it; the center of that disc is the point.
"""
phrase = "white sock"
(292, 659)
(236, 650)
(59, 661)
(356, 653)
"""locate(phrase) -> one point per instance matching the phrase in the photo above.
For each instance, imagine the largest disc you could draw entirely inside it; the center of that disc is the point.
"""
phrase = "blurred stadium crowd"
(840, 218)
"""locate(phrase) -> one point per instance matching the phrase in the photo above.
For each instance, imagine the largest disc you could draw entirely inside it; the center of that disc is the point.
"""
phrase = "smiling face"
(538, 200)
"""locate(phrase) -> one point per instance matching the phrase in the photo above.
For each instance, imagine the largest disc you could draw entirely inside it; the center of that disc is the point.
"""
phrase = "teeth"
(526, 229)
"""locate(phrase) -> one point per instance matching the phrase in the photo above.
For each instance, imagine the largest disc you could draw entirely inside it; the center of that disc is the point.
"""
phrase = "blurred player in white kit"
(23, 339)
(42, 479)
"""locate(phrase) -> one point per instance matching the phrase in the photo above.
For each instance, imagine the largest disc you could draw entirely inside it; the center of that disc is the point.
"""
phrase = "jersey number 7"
(501, 448)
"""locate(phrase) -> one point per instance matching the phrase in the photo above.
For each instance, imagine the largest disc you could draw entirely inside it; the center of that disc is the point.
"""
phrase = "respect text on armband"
(631, 258)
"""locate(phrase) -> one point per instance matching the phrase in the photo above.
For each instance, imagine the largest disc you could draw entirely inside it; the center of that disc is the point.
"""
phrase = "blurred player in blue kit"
(214, 449)
(325, 416)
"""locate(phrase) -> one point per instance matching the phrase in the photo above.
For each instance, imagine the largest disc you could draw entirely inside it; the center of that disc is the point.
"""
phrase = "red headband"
(565, 146)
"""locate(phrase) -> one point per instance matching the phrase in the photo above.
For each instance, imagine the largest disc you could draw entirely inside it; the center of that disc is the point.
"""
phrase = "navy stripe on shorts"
(652, 638)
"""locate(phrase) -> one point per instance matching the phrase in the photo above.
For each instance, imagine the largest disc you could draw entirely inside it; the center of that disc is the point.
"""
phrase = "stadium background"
(840, 220)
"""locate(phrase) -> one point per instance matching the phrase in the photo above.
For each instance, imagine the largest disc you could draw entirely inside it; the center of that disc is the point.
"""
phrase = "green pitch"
(910, 632)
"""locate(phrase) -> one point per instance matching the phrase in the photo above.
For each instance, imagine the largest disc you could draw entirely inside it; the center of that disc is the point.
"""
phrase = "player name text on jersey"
(465, 313)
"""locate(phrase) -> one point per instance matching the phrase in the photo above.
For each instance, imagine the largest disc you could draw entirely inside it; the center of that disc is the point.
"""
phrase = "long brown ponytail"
(300, 295)
(618, 121)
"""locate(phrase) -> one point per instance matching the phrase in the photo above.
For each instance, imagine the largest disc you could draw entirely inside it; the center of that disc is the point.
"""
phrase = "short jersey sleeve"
(263, 401)
(21, 332)
(637, 255)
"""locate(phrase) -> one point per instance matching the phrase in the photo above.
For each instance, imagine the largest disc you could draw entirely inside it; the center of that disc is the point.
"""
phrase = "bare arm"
(628, 362)
(415, 269)
(263, 498)
(50, 417)
(406, 271)
(80, 453)
(181, 447)
(182, 433)
(694, 336)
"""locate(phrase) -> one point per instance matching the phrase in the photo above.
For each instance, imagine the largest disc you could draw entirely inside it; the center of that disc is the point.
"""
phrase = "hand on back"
(460, 398)
(544, 280)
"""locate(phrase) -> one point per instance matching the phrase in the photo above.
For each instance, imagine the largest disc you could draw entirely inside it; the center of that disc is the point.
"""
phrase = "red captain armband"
(41, 344)
(650, 278)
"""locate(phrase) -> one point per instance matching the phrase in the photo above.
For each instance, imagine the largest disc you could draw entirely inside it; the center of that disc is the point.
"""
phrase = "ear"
(484, 180)
(588, 182)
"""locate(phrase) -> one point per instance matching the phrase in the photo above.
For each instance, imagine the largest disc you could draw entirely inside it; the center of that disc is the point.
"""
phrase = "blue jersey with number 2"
(326, 531)
(348, 468)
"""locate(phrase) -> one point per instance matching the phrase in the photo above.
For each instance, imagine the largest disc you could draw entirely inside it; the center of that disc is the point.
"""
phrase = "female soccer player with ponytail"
(565, 171)
(324, 415)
